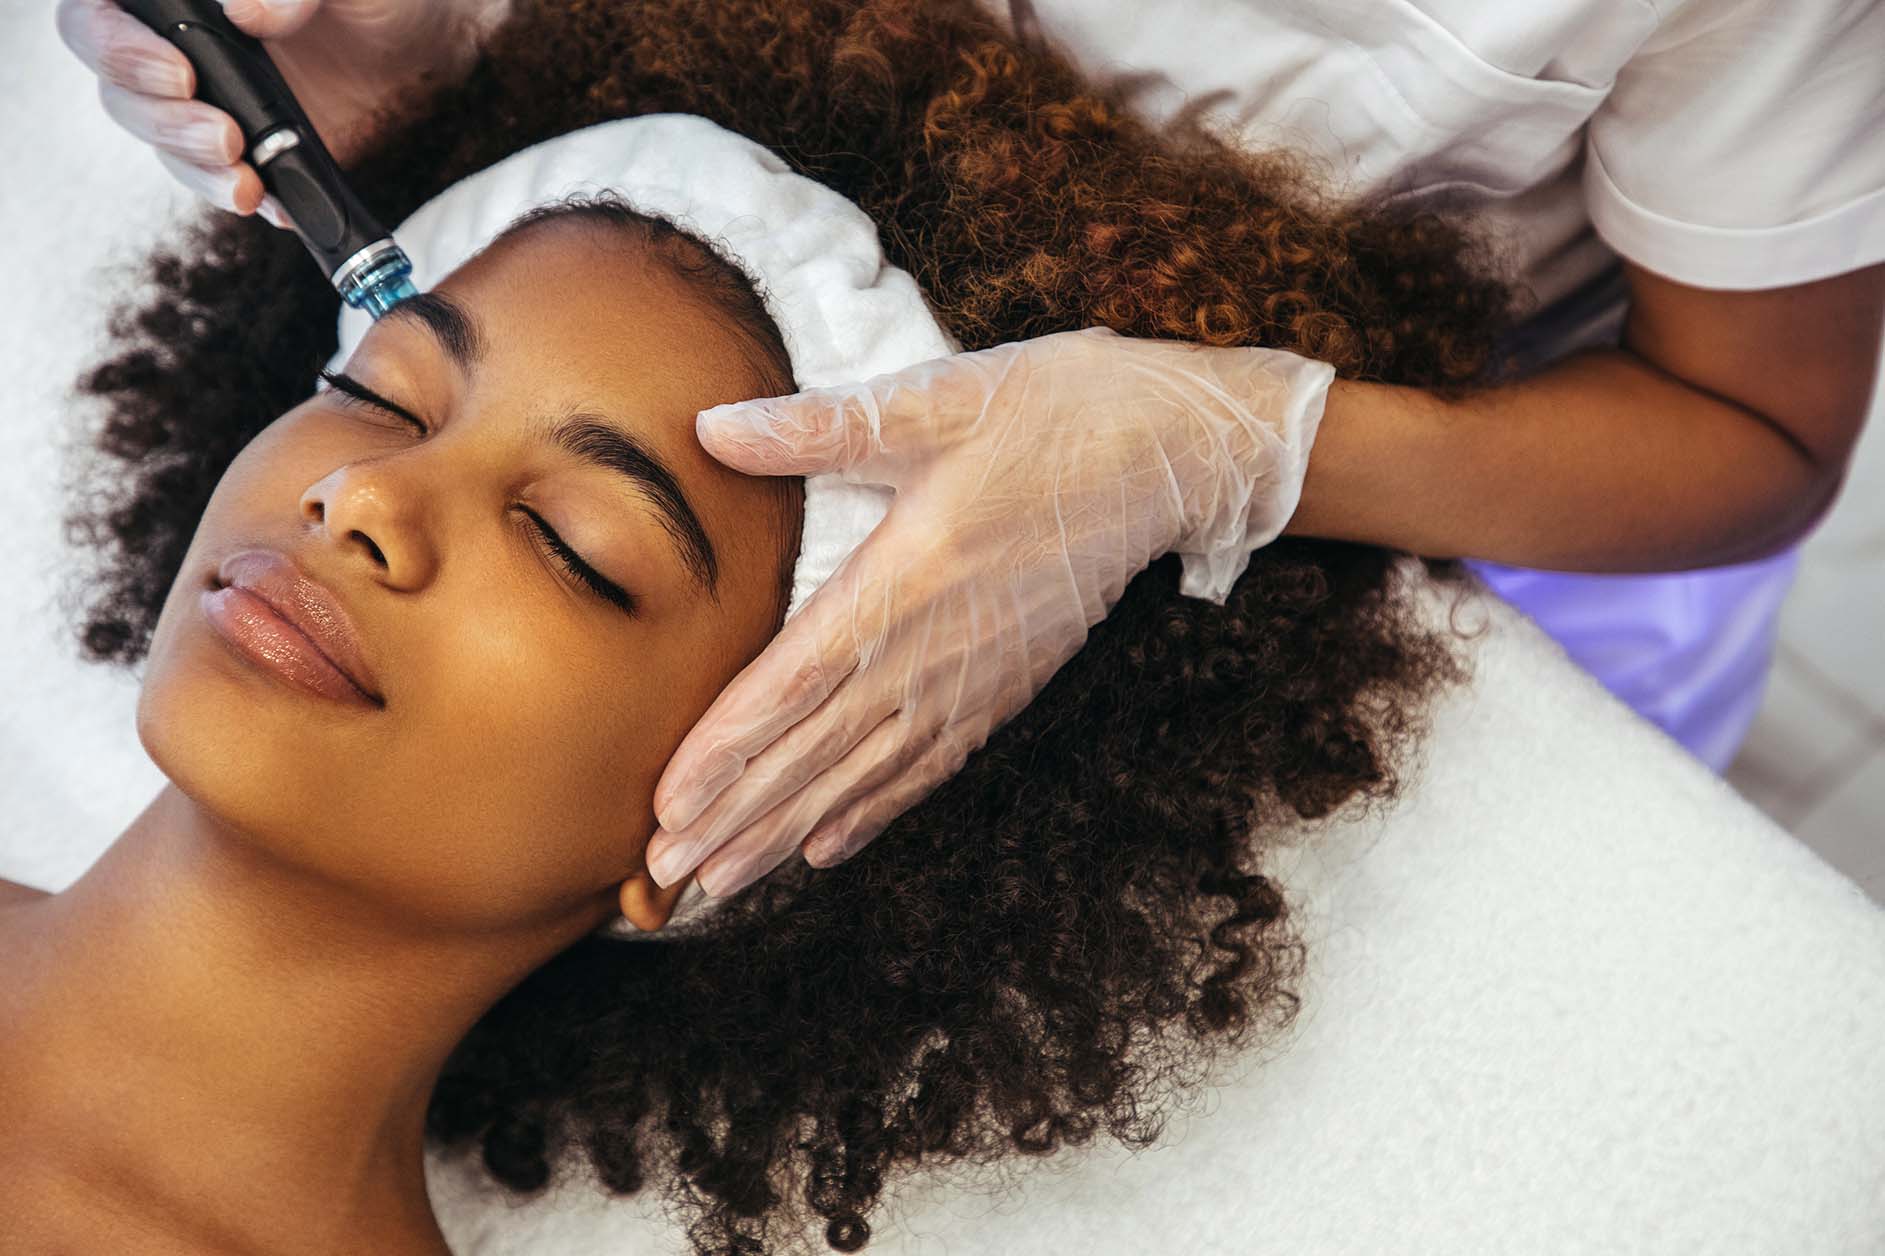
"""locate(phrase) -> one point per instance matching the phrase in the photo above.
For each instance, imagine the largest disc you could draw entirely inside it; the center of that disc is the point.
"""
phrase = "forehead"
(585, 296)
(573, 314)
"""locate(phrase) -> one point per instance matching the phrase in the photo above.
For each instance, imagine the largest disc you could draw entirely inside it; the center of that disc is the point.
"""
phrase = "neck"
(197, 1026)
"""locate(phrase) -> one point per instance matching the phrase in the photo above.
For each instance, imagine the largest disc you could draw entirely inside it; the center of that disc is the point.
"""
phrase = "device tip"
(383, 296)
(376, 279)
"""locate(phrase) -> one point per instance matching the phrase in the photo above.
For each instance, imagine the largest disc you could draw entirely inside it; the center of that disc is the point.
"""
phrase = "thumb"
(866, 430)
(269, 19)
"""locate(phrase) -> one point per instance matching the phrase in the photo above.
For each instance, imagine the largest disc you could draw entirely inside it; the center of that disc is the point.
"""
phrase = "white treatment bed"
(1569, 995)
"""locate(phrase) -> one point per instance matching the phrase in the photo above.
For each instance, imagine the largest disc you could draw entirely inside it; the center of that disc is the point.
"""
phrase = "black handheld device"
(234, 73)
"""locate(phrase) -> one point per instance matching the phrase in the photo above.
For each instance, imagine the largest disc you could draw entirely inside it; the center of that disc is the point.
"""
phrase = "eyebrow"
(588, 437)
(456, 330)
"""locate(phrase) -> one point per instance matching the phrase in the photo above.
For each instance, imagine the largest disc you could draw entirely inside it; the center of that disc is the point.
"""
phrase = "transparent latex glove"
(1033, 481)
(344, 60)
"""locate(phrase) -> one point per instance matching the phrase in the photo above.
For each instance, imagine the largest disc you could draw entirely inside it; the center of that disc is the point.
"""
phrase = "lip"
(291, 624)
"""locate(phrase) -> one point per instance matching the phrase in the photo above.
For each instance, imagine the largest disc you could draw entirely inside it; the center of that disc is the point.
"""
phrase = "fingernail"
(673, 861)
(733, 416)
(240, 11)
(737, 423)
(218, 186)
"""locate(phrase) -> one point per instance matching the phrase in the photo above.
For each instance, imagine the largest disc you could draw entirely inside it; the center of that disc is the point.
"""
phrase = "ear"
(646, 904)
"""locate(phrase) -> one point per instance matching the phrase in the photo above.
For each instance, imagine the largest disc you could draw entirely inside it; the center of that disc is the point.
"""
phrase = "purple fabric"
(1689, 651)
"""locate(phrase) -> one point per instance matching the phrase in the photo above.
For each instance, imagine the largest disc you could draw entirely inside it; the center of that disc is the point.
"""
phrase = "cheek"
(258, 497)
(514, 777)
(538, 746)
(193, 696)
(504, 787)
(547, 737)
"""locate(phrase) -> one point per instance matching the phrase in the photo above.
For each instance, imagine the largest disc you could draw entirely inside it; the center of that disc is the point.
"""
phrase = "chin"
(247, 750)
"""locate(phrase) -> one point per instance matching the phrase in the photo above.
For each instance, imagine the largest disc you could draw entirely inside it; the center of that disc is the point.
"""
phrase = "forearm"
(1600, 462)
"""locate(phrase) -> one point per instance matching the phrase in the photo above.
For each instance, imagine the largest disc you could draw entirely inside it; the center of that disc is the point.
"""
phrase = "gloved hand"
(344, 59)
(1033, 481)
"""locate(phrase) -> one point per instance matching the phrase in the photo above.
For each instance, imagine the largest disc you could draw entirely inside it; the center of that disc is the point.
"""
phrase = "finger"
(277, 216)
(867, 429)
(269, 19)
(200, 134)
(731, 874)
(889, 751)
(237, 189)
(818, 429)
(851, 612)
(793, 675)
(809, 766)
(120, 49)
(757, 850)
(857, 825)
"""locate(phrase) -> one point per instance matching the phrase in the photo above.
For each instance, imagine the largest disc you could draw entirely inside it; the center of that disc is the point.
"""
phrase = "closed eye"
(573, 563)
(354, 392)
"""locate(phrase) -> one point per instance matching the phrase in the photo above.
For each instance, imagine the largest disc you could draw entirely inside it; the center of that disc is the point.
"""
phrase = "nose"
(371, 511)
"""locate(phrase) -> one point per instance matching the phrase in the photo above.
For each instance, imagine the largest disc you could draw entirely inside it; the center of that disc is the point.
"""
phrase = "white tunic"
(1722, 143)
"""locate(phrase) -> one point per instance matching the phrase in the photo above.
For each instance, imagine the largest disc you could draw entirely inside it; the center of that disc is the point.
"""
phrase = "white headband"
(844, 312)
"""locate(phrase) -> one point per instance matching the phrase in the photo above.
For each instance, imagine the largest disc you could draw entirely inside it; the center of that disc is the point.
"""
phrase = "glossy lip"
(309, 608)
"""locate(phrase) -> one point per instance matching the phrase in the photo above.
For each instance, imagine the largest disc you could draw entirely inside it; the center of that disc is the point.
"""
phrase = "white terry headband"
(844, 312)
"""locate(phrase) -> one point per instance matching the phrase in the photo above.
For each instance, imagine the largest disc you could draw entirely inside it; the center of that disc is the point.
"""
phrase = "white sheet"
(1572, 995)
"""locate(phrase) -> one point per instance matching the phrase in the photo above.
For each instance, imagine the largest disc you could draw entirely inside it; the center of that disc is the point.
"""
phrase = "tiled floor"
(1815, 759)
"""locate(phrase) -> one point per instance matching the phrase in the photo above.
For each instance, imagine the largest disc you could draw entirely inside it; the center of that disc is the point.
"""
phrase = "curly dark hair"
(1071, 930)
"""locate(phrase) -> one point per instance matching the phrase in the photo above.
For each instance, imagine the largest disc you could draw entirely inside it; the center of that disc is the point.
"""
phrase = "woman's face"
(507, 772)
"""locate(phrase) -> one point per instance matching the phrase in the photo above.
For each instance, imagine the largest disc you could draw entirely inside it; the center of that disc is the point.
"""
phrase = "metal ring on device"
(274, 144)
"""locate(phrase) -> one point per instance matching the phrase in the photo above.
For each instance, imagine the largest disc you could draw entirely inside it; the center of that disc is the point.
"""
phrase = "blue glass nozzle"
(376, 279)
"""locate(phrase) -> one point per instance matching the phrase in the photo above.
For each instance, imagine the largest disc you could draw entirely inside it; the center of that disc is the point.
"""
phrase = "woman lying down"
(401, 898)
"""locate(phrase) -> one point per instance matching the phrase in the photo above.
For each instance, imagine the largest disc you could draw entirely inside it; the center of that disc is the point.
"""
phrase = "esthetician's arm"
(1717, 433)
(1035, 478)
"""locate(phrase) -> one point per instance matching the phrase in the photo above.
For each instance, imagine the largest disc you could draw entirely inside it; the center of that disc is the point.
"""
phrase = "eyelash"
(568, 559)
(572, 562)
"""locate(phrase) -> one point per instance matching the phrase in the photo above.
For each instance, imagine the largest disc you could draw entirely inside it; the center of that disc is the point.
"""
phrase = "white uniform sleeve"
(1743, 145)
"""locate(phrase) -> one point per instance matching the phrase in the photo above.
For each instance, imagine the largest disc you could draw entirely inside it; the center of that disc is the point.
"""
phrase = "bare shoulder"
(13, 892)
